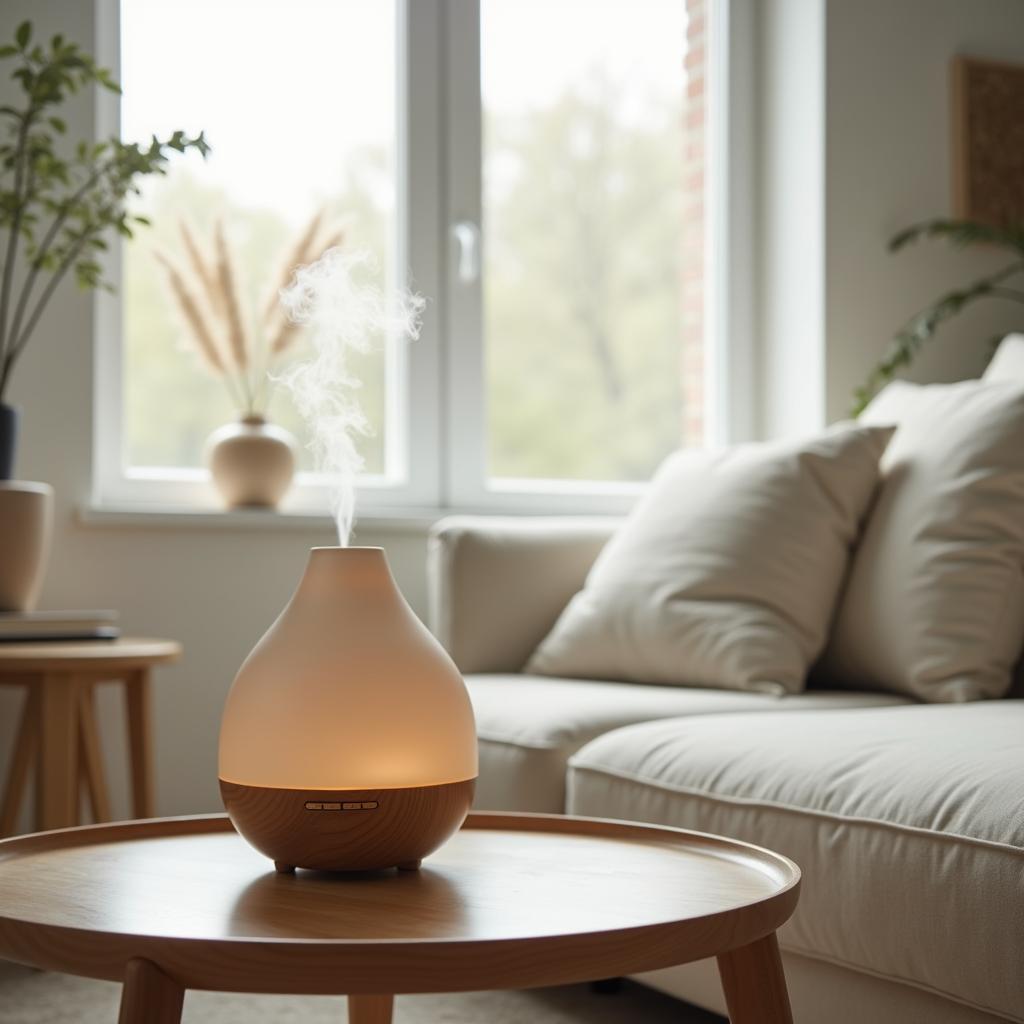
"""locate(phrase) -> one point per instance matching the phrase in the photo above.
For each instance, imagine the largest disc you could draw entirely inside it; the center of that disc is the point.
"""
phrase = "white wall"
(854, 143)
(888, 164)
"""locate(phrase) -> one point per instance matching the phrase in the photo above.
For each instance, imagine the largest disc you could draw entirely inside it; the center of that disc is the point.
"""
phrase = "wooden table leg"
(754, 984)
(137, 703)
(21, 763)
(57, 781)
(90, 756)
(370, 1009)
(149, 996)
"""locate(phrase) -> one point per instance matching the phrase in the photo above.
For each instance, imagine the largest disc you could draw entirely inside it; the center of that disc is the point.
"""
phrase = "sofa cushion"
(529, 726)
(1008, 361)
(934, 605)
(907, 822)
(727, 571)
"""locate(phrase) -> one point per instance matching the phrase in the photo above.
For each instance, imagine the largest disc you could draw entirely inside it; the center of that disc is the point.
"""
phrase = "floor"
(31, 997)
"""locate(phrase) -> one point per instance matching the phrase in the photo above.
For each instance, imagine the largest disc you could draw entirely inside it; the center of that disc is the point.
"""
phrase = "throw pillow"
(726, 573)
(935, 599)
(1008, 361)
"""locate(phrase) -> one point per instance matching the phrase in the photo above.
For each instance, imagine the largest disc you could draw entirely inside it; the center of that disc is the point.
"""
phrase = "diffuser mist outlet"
(348, 741)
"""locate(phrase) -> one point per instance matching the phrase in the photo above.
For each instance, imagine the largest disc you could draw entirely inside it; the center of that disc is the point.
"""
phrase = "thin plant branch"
(47, 242)
(80, 198)
(1013, 294)
(921, 327)
(14, 233)
(63, 267)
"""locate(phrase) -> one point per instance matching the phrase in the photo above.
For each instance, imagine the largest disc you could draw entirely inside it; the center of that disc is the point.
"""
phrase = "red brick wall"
(692, 339)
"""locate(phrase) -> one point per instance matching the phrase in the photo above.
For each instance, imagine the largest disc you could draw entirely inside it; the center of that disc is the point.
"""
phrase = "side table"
(511, 901)
(58, 724)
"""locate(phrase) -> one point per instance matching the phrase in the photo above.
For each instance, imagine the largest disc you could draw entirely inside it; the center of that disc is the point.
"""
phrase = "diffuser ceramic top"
(347, 690)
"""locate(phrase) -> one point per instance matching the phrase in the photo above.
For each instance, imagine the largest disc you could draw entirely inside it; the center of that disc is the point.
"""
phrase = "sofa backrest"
(497, 584)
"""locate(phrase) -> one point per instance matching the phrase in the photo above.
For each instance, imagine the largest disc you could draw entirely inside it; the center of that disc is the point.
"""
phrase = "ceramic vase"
(348, 740)
(252, 462)
(26, 524)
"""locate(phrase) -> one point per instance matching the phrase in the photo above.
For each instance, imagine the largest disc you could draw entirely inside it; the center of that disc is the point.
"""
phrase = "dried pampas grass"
(298, 255)
(194, 317)
(202, 273)
(227, 279)
(208, 294)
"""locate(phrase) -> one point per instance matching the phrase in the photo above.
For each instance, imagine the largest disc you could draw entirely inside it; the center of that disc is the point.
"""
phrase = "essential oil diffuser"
(348, 740)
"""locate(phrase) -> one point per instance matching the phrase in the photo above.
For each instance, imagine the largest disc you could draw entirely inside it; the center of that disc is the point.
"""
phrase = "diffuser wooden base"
(346, 829)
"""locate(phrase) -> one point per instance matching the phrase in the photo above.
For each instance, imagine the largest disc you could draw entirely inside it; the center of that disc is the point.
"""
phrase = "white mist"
(345, 316)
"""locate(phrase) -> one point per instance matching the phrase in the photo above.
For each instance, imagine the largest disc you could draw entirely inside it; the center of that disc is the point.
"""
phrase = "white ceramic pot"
(252, 462)
(26, 524)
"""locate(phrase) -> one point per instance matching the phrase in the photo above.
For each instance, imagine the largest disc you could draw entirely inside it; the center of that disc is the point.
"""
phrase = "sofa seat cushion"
(530, 725)
(907, 822)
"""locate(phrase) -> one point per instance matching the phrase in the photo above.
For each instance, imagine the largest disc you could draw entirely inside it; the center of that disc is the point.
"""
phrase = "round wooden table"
(58, 725)
(512, 901)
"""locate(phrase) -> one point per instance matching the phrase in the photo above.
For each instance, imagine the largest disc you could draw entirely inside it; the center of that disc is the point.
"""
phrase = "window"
(535, 169)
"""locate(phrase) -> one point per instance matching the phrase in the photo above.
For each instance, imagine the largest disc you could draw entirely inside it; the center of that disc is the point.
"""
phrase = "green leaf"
(58, 125)
(23, 34)
(8, 51)
(961, 233)
(921, 327)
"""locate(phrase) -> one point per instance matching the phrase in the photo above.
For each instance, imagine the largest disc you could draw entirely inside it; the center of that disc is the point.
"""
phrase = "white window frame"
(439, 379)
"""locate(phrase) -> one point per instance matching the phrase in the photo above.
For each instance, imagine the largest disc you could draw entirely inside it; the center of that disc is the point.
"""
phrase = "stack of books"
(45, 626)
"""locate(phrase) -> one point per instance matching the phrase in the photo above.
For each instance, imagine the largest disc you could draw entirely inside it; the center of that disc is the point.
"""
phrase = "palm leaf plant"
(924, 324)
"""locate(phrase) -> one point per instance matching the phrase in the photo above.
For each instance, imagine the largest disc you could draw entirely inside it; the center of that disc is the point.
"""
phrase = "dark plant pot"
(8, 439)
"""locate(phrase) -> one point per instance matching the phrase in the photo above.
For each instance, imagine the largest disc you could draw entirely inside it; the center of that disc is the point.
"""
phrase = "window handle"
(467, 238)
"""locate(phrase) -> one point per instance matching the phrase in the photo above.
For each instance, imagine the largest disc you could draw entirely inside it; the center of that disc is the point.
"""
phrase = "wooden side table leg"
(57, 782)
(21, 762)
(370, 1009)
(140, 725)
(149, 996)
(754, 984)
(90, 757)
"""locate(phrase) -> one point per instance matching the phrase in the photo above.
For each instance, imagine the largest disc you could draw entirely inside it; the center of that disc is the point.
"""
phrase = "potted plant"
(59, 204)
(251, 461)
(921, 327)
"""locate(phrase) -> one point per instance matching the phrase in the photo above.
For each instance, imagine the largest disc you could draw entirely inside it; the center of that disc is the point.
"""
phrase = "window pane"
(591, 281)
(297, 98)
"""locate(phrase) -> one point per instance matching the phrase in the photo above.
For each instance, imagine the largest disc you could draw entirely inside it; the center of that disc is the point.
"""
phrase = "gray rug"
(31, 997)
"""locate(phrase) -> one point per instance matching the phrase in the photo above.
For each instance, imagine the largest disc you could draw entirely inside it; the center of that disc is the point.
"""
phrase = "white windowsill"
(170, 517)
(373, 520)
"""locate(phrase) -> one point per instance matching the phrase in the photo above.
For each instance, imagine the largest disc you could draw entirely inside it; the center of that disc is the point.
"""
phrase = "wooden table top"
(71, 655)
(511, 901)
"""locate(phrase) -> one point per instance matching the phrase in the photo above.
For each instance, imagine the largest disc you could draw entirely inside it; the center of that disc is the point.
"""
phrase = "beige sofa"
(906, 819)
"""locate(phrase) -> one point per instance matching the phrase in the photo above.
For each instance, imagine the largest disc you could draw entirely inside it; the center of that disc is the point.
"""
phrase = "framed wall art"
(988, 141)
